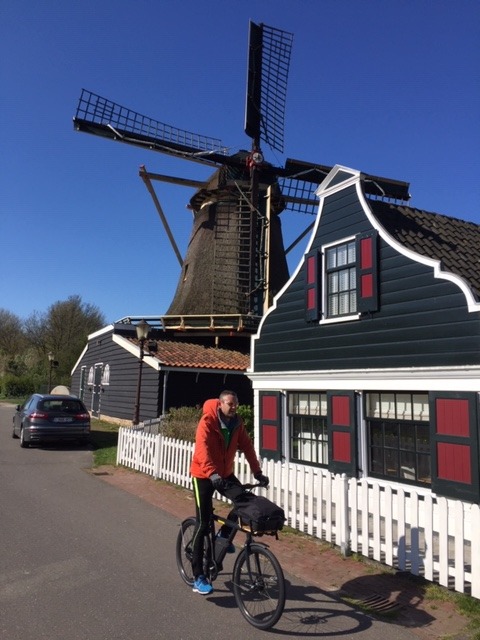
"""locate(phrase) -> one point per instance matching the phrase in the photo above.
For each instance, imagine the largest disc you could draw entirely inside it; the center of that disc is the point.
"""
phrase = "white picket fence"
(426, 535)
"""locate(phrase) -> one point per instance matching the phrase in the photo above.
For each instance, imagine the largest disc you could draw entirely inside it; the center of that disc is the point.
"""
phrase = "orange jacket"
(211, 453)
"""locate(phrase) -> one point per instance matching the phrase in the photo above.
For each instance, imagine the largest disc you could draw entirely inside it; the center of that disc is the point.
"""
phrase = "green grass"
(104, 438)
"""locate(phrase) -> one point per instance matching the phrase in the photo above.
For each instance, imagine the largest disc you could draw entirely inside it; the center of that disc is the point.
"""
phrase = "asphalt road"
(83, 560)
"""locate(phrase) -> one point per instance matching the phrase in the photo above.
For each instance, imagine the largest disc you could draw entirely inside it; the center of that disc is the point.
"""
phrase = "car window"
(62, 406)
(30, 403)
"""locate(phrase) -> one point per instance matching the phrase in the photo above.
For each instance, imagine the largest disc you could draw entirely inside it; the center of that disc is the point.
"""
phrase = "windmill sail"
(235, 261)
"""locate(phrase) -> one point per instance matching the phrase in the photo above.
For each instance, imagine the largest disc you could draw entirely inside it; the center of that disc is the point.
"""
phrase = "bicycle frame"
(258, 581)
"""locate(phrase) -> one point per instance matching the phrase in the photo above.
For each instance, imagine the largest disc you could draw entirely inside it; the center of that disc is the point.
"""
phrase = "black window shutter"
(455, 445)
(342, 432)
(312, 286)
(270, 424)
(367, 271)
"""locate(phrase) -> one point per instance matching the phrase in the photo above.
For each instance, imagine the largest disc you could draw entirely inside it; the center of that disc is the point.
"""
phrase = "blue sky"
(390, 87)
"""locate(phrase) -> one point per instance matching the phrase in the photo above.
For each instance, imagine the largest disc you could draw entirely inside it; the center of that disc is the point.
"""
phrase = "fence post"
(119, 446)
(158, 452)
(343, 516)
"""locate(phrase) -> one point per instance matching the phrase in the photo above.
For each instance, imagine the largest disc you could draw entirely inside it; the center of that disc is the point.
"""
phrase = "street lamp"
(51, 360)
(142, 330)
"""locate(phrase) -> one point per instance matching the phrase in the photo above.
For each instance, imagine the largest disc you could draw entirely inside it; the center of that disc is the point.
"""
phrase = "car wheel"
(23, 443)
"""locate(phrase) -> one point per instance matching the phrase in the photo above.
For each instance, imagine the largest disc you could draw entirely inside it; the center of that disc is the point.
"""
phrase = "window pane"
(376, 434)
(373, 405)
(423, 438)
(404, 406)
(342, 255)
(343, 306)
(351, 253)
(407, 466)
(314, 404)
(353, 301)
(391, 462)
(420, 406)
(352, 278)
(376, 461)
(343, 280)
(333, 282)
(331, 258)
(407, 437)
(303, 403)
(391, 435)
(292, 402)
(333, 306)
(424, 473)
(323, 404)
(388, 405)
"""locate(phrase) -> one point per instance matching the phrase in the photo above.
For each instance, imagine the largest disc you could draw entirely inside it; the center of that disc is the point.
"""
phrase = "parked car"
(47, 418)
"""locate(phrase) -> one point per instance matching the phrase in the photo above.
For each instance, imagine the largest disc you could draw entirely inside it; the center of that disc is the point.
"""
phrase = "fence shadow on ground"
(309, 612)
(390, 595)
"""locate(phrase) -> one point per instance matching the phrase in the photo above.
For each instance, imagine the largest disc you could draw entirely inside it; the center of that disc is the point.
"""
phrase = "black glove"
(261, 479)
(217, 481)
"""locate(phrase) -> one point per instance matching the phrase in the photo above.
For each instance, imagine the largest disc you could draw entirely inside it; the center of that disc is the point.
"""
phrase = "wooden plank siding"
(183, 387)
(421, 321)
(118, 397)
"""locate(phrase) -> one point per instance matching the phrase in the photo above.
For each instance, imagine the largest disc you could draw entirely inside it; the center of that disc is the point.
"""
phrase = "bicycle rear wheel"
(259, 586)
(184, 550)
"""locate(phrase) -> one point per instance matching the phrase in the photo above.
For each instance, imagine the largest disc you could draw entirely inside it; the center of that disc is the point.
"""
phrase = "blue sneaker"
(231, 546)
(202, 586)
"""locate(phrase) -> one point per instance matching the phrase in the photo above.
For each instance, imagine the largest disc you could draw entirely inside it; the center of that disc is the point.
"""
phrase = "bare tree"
(63, 330)
(11, 333)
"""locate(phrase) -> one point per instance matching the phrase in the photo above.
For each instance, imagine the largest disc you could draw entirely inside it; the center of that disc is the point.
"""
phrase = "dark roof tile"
(454, 242)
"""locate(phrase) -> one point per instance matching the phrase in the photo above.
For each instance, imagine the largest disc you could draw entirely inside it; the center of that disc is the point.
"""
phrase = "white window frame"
(324, 284)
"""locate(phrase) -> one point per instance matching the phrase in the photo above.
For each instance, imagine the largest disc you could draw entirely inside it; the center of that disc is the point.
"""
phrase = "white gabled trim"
(326, 189)
(472, 304)
(85, 349)
(135, 351)
(101, 331)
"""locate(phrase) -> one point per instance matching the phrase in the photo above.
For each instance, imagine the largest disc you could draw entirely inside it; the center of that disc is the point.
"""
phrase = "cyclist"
(220, 434)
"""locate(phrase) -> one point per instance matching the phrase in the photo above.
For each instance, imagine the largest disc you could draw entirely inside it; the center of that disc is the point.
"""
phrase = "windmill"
(236, 260)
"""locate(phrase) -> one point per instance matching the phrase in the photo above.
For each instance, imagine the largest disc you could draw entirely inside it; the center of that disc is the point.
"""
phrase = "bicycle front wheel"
(184, 550)
(259, 586)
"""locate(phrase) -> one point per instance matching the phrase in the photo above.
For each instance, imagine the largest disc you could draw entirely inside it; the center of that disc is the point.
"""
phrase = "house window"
(307, 416)
(398, 428)
(90, 376)
(341, 280)
(106, 375)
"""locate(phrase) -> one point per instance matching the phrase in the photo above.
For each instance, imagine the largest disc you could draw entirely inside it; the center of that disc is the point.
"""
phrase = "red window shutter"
(312, 286)
(367, 271)
(455, 445)
(270, 424)
(342, 432)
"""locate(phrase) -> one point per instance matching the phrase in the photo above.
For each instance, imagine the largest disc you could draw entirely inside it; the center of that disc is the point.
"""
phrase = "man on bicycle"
(220, 434)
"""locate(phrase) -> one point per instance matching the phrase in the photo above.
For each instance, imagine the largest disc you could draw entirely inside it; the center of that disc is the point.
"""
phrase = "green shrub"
(246, 413)
(182, 423)
(17, 386)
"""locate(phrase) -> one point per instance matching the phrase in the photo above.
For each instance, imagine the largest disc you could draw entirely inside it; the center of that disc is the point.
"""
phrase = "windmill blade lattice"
(268, 67)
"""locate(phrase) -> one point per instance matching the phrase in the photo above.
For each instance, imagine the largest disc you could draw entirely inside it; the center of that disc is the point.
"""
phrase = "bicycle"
(258, 580)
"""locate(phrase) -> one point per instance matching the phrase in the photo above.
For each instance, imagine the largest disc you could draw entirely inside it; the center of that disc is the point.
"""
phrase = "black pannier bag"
(259, 514)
